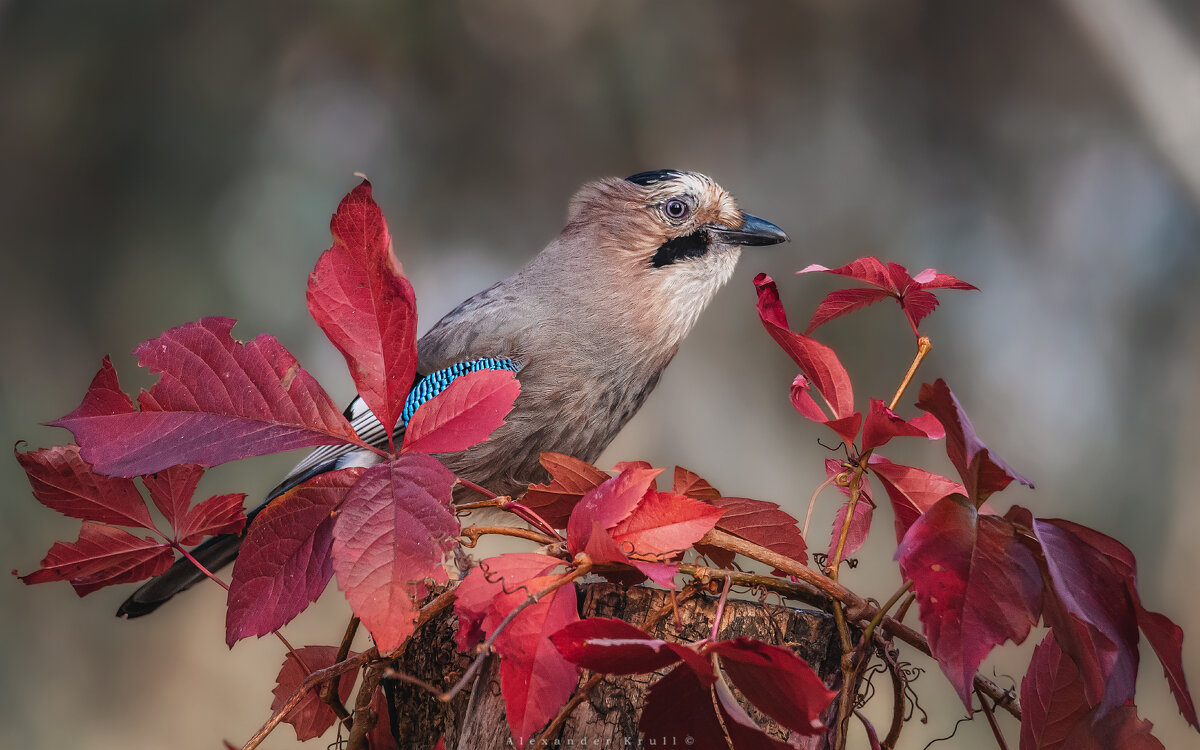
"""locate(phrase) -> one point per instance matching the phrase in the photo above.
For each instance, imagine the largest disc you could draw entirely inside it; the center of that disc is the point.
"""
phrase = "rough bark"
(609, 715)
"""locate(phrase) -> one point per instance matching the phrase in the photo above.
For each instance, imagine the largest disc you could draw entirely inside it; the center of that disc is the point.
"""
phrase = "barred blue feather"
(434, 383)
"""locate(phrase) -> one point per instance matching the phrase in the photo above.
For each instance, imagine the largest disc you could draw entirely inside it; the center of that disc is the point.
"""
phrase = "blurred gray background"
(160, 162)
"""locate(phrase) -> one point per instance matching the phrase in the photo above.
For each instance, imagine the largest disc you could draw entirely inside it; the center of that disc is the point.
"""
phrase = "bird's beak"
(753, 231)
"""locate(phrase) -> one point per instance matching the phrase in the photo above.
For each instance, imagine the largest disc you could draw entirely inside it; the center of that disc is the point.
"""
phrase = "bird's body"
(589, 324)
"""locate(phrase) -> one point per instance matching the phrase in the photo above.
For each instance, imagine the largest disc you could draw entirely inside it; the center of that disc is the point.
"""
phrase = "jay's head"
(666, 238)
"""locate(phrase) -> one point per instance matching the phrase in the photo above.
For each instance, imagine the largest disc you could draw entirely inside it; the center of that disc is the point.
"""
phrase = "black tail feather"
(214, 554)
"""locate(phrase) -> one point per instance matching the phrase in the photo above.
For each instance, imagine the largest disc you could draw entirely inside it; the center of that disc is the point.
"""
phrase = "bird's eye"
(676, 209)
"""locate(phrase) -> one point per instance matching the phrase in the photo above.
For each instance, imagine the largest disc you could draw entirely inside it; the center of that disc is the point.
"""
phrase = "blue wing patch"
(436, 382)
(370, 429)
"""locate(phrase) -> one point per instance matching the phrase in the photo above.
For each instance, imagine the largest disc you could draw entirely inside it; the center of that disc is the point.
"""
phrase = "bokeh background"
(160, 162)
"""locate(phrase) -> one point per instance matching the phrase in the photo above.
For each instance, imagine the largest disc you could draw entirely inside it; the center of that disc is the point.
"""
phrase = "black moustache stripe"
(691, 245)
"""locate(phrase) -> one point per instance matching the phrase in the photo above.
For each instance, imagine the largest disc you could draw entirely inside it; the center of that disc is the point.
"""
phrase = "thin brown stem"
(991, 720)
(878, 618)
(329, 691)
(812, 501)
(364, 718)
(477, 488)
(924, 346)
(474, 532)
(716, 626)
(872, 737)
(908, 600)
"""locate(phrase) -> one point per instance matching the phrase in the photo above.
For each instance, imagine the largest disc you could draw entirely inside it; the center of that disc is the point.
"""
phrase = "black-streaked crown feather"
(645, 179)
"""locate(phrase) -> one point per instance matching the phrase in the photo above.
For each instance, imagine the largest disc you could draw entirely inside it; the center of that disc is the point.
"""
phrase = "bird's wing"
(370, 429)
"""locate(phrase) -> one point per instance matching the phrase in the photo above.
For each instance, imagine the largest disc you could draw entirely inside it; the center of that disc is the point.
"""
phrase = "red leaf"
(981, 472)
(217, 400)
(882, 425)
(220, 514)
(62, 481)
(846, 427)
(612, 646)
(911, 490)
(860, 527)
(466, 413)
(1167, 640)
(817, 361)
(571, 479)
(102, 556)
(312, 716)
(743, 732)
(534, 678)
(359, 296)
(890, 281)
(477, 596)
(1091, 613)
(608, 504)
(842, 302)
(869, 270)
(394, 528)
(976, 584)
(931, 279)
(285, 563)
(679, 712)
(764, 524)
(171, 490)
(779, 683)
(665, 523)
(693, 485)
(1052, 700)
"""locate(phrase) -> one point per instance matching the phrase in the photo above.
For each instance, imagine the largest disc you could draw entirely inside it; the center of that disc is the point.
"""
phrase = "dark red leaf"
(665, 523)
(679, 712)
(1167, 640)
(917, 304)
(1091, 612)
(285, 563)
(693, 485)
(220, 514)
(608, 504)
(394, 529)
(62, 481)
(842, 302)
(312, 716)
(764, 524)
(882, 425)
(380, 736)
(571, 479)
(816, 360)
(779, 683)
(982, 473)
(479, 593)
(612, 646)
(976, 584)
(359, 296)
(1052, 699)
(535, 679)
(171, 490)
(102, 556)
(216, 400)
(1119, 728)
(911, 490)
(744, 733)
(466, 413)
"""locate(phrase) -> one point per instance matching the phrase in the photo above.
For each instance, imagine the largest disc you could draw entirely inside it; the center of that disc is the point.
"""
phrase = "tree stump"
(608, 717)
